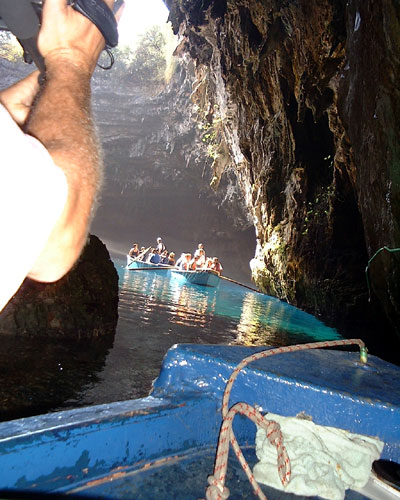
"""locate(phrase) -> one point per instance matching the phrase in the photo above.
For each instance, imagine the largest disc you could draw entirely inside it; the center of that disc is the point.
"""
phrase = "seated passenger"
(216, 265)
(171, 259)
(164, 257)
(208, 263)
(142, 254)
(155, 258)
(181, 259)
(201, 258)
(194, 263)
(150, 255)
(134, 251)
(184, 264)
(188, 260)
(200, 247)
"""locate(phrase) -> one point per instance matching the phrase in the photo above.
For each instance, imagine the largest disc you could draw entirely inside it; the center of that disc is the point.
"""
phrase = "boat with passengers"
(203, 277)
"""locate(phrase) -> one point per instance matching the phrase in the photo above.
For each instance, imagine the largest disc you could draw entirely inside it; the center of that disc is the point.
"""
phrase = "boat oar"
(240, 284)
(141, 254)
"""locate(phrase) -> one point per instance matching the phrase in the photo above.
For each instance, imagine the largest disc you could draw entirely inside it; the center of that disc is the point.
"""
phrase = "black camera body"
(23, 18)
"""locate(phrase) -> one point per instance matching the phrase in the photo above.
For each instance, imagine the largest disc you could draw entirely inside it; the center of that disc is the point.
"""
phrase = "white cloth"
(33, 192)
(325, 461)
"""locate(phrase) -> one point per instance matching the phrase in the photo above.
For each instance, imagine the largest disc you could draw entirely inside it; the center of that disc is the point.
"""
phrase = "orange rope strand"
(217, 489)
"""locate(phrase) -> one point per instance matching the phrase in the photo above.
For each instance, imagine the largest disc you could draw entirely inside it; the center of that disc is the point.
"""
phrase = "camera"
(23, 18)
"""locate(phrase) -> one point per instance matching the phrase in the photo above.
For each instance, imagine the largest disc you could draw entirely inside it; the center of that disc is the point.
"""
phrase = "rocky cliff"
(302, 102)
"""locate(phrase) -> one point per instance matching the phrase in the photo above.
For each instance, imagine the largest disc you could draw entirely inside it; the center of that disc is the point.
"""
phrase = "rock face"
(83, 304)
(303, 102)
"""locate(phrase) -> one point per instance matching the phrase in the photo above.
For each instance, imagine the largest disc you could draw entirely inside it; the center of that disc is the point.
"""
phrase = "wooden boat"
(199, 277)
(163, 446)
(139, 264)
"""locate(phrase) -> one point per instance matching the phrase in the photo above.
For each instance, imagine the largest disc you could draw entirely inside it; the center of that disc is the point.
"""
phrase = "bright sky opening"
(138, 17)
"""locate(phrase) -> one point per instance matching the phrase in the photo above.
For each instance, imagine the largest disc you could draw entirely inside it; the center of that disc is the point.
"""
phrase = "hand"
(68, 35)
(18, 98)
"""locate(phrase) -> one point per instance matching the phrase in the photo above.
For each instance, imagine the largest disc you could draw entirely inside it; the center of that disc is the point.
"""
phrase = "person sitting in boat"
(216, 265)
(185, 261)
(171, 259)
(160, 246)
(164, 258)
(155, 258)
(142, 254)
(194, 263)
(201, 258)
(181, 260)
(188, 266)
(134, 251)
(151, 257)
(200, 250)
(208, 263)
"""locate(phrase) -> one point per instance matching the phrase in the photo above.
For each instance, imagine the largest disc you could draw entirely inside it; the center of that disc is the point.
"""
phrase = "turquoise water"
(252, 317)
(156, 311)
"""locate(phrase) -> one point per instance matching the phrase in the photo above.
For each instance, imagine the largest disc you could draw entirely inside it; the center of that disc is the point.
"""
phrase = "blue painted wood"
(138, 264)
(199, 277)
(124, 450)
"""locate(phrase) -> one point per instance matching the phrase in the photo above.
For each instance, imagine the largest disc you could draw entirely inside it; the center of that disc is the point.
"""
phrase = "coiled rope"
(217, 489)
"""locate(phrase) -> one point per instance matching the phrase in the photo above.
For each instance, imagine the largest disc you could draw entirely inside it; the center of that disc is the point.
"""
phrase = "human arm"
(61, 120)
(18, 98)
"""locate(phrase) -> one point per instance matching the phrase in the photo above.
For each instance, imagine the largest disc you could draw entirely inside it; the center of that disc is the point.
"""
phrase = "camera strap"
(102, 16)
(22, 20)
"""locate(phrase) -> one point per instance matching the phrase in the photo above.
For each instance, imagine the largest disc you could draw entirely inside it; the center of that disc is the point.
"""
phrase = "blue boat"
(205, 277)
(163, 446)
(139, 264)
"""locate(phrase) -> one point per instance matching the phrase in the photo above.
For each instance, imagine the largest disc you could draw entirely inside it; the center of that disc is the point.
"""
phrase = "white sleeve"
(33, 192)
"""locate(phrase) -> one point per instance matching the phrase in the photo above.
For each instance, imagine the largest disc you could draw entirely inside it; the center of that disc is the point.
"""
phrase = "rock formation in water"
(302, 99)
(83, 304)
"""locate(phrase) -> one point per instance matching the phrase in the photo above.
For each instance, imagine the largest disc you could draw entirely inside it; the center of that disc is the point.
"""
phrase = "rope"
(238, 283)
(391, 250)
(217, 489)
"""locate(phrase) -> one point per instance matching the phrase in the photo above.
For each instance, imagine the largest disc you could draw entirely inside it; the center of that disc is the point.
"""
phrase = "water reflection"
(258, 318)
(155, 312)
(40, 374)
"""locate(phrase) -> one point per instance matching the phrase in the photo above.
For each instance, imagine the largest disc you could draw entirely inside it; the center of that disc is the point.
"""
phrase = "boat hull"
(200, 277)
(138, 264)
(119, 450)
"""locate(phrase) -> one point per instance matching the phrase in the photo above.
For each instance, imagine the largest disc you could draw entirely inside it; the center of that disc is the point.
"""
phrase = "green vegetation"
(151, 61)
(10, 49)
(318, 210)
(211, 136)
(148, 62)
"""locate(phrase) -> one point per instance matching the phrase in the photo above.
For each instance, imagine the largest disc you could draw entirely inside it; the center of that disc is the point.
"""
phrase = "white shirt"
(33, 192)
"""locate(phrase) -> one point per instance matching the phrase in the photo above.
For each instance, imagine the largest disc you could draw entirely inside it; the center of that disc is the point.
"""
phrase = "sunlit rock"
(303, 101)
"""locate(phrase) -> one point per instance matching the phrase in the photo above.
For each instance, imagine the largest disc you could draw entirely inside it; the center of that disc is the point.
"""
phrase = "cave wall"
(303, 102)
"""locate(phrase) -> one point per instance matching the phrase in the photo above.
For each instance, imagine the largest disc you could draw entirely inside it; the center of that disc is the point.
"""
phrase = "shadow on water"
(40, 374)
(156, 311)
